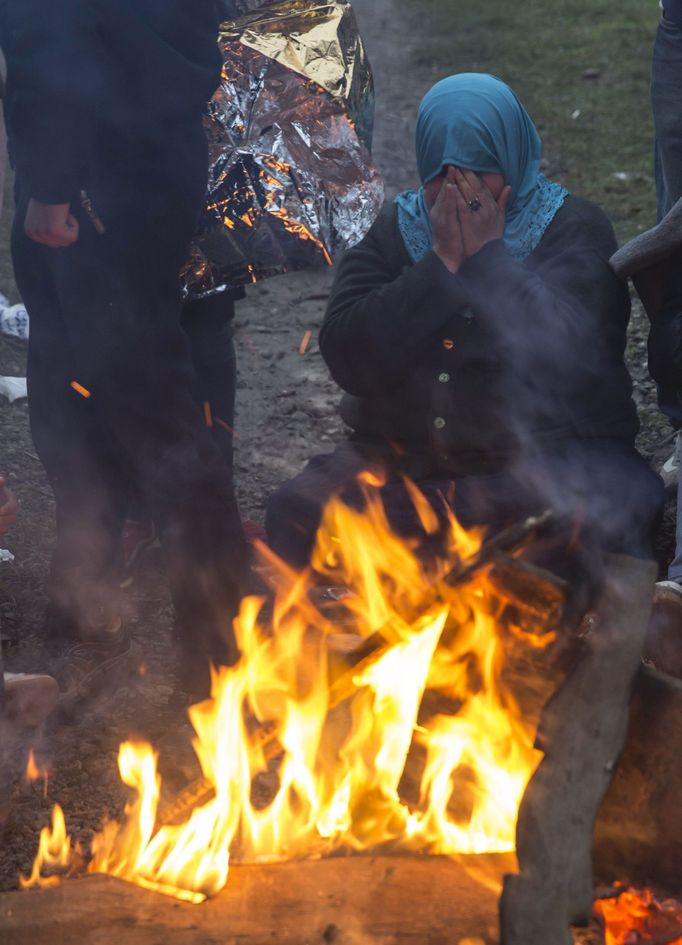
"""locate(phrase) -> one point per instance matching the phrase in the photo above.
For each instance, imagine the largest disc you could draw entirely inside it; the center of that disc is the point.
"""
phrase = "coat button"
(439, 423)
(444, 377)
(448, 344)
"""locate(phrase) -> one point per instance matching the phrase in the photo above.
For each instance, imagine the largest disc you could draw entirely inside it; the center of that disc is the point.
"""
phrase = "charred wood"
(582, 732)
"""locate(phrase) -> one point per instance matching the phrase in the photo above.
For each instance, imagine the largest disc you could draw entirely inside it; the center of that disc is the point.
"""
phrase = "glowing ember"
(347, 738)
(83, 391)
(305, 341)
(634, 918)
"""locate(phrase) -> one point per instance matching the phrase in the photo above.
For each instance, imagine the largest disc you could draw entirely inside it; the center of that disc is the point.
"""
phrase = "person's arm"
(561, 318)
(380, 319)
(54, 88)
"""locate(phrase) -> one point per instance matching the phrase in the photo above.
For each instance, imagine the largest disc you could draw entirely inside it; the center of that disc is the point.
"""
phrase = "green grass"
(543, 49)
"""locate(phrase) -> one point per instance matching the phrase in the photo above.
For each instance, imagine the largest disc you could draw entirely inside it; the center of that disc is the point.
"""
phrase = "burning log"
(343, 739)
(632, 916)
(582, 733)
(344, 901)
(537, 594)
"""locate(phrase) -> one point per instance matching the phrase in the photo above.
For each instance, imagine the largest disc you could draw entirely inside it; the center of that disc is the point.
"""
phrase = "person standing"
(666, 103)
(653, 260)
(665, 362)
(104, 110)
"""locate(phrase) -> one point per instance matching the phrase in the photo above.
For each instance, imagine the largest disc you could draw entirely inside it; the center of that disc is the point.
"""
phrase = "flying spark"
(305, 341)
(83, 391)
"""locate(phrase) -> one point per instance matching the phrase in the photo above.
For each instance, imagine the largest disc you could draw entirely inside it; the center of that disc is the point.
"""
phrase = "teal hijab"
(475, 121)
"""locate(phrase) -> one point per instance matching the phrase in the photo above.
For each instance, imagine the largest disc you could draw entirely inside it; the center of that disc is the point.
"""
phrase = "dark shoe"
(89, 668)
(663, 644)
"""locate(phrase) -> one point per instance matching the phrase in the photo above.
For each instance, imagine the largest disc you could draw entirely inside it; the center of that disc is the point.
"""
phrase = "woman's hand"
(50, 224)
(448, 243)
(481, 217)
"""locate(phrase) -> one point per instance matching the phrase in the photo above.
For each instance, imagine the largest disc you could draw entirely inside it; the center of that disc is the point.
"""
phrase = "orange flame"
(638, 917)
(347, 736)
(55, 852)
(33, 772)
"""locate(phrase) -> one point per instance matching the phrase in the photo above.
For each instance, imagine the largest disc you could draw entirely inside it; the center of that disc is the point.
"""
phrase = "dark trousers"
(666, 105)
(208, 324)
(105, 313)
(604, 497)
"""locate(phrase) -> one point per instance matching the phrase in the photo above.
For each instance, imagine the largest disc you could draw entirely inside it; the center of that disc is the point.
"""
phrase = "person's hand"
(448, 244)
(8, 508)
(51, 224)
(481, 217)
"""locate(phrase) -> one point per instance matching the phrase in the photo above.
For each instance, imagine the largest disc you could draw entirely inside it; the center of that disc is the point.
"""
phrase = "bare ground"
(286, 412)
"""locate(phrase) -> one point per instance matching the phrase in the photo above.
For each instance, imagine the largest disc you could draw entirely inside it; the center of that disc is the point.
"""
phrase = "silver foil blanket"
(291, 180)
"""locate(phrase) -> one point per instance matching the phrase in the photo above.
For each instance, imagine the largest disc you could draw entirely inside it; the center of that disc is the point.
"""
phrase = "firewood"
(582, 732)
(545, 593)
(536, 594)
(378, 900)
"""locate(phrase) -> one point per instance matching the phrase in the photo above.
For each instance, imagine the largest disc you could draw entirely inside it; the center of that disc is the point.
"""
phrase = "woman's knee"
(291, 522)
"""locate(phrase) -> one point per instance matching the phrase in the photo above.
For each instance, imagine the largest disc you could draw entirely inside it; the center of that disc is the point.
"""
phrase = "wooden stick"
(582, 732)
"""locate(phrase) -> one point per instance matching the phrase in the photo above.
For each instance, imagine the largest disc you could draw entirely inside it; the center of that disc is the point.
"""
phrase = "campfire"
(372, 711)
(339, 722)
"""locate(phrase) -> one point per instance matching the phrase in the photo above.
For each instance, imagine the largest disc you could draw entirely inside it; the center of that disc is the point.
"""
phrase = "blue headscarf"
(475, 121)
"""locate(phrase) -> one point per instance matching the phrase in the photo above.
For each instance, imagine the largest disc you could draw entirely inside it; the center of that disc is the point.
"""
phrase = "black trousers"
(106, 314)
(209, 326)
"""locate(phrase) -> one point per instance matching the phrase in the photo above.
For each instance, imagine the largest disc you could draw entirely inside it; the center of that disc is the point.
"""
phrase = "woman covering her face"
(478, 332)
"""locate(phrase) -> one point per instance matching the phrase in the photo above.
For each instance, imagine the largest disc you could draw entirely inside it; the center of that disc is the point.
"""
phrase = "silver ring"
(474, 205)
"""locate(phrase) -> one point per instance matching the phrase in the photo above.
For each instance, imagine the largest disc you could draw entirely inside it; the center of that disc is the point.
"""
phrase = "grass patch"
(581, 67)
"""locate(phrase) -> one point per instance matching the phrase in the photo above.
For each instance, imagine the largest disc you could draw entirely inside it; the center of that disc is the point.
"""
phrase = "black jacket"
(500, 357)
(83, 74)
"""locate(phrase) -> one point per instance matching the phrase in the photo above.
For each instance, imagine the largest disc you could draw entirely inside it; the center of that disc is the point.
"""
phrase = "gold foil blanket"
(291, 180)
